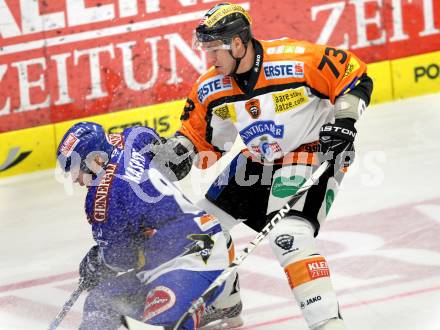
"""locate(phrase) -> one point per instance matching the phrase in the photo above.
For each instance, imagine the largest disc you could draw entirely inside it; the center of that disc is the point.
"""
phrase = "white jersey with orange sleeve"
(290, 94)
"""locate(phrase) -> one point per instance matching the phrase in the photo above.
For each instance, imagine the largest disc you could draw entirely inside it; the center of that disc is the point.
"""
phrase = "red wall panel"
(60, 62)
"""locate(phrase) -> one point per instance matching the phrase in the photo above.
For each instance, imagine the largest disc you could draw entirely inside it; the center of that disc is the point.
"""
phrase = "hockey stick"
(68, 305)
(253, 244)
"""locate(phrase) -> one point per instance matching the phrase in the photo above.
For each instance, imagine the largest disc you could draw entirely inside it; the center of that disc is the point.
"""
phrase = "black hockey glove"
(92, 269)
(173, 159)
(336, 142)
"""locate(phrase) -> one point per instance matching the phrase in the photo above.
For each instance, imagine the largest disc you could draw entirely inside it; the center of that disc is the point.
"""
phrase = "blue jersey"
(140, 220)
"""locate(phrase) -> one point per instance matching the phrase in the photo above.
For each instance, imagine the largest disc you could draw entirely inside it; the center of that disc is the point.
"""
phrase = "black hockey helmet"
(223, 22)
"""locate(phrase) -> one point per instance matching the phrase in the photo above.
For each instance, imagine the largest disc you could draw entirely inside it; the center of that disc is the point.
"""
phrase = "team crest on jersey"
(202, 246)
(253, 108)
(212, 86)
(100, 204)
(260, 148)
(285, 241)
(159, 300)
(283, 69)
(268, 150)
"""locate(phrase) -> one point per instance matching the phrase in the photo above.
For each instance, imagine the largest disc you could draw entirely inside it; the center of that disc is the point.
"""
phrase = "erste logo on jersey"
(213, 85)
(259, 128)
(283, 69)
(100, 204)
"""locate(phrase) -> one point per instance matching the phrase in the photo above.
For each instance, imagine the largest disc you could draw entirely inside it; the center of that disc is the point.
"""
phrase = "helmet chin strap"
(237, 59)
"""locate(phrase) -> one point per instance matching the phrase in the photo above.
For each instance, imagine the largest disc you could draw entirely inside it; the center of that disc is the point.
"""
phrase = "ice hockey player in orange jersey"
(294, 104)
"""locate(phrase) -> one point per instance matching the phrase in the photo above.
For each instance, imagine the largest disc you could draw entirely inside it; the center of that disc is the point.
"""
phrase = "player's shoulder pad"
(208, 74)
(212, 84)
(97, 201)
(139, 136)
(283, 47)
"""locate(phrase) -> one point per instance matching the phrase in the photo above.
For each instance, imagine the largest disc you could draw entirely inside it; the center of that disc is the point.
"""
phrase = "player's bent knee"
(226, 220)
(292, 239)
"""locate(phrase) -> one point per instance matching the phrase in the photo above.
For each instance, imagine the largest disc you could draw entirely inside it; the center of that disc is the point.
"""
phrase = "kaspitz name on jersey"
(213, 85)
(261, 128)
(283, 69)
(136, 167)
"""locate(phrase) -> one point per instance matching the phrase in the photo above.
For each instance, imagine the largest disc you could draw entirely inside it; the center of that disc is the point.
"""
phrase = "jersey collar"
(255, 71)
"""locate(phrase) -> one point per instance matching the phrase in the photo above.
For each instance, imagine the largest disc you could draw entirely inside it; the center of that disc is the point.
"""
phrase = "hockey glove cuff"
(336, 142)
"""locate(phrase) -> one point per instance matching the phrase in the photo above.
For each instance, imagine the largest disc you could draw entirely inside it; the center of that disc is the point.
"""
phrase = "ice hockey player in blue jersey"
(156, 252)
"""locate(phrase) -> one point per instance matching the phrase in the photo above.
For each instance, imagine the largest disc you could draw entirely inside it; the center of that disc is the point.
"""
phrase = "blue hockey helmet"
(82, 140)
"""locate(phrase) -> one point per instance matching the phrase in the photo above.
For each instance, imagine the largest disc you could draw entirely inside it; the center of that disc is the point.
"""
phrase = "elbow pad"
(353, 104)
(349, 106)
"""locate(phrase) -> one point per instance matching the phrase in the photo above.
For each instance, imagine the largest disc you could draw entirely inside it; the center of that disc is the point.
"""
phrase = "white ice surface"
(381, 239)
